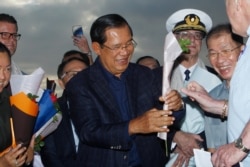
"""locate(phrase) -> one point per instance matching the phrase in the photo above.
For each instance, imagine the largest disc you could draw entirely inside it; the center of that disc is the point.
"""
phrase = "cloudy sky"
(46, 25)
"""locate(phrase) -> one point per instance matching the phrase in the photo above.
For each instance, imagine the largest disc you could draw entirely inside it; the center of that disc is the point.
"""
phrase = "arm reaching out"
(197, 93)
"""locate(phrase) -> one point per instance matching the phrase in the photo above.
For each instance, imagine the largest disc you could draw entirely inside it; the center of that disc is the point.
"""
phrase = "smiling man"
(114, 103)
(224, 48)
(9, 37)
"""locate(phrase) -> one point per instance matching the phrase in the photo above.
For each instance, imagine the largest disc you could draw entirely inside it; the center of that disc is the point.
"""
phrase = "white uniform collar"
(183, 69)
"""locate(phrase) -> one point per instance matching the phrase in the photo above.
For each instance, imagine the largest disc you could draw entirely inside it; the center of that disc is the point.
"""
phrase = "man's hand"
(181, 159)
(82, 44)
(227, 155)
(197, 93)
(152, 121)
(187, 142)
(173, 100)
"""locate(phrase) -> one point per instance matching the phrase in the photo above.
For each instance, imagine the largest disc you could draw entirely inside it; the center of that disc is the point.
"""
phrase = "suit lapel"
(101, 88)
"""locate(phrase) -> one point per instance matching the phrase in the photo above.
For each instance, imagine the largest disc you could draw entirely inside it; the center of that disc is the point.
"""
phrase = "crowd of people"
(113, 108)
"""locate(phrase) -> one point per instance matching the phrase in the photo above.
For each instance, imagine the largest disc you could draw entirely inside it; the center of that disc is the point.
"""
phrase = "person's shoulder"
(80, 78)
(62, 100)
(158, 70)
(140, 68)
(206, 72)
(219, 89)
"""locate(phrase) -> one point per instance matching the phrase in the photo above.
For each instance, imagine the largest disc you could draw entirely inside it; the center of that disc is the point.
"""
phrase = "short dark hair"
(147, 57)
(71, 53)
(227, 28)
(4, 49)
(8, 18)
(64, 63)
(100, 25)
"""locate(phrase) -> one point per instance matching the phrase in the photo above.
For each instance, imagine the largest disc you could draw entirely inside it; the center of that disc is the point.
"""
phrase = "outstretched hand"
(227, 155)
(186, 142)
(151, 121)
(181, 159)
(197, 93)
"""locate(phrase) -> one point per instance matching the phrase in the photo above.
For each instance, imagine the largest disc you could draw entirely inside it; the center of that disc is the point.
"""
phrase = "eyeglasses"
(6, 35)
(189, 35)
(116, 48)
(226, 52)
(69, 74)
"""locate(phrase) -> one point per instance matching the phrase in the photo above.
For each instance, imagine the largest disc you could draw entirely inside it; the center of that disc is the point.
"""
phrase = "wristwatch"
(238, 144)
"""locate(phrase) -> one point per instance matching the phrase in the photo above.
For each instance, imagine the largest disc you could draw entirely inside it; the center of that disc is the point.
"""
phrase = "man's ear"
(61, 84)
(96, 47)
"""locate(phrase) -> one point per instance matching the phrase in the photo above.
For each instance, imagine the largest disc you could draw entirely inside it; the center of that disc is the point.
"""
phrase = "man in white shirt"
(192, 25)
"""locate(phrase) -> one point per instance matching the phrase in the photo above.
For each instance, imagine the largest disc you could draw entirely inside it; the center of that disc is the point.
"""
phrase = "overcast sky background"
(46, 25)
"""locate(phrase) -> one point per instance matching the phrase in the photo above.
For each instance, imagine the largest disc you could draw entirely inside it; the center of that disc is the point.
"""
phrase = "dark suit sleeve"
(179, 116)
(48, 153)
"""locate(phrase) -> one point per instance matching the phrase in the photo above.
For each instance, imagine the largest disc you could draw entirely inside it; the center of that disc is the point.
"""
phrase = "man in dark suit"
(114, 104)
(61, 146)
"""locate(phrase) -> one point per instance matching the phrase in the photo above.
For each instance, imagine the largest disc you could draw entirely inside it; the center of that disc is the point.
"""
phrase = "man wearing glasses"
(61, 147)
(113, 103)
(9, 37)
(191, 25)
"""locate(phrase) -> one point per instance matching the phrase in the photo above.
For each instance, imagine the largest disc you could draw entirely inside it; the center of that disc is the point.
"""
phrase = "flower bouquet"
(22, 120)
(24, 109)
(32, 108)
(49, 116)
(48, 119)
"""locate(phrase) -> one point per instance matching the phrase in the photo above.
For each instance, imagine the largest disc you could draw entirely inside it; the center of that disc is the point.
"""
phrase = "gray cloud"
(46, 25)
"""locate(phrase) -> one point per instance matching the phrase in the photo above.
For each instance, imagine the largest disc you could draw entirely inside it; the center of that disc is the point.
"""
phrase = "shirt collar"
(110, 76)
(183, 69)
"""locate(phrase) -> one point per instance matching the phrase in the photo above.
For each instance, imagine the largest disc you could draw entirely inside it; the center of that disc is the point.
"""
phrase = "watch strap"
(239, 145)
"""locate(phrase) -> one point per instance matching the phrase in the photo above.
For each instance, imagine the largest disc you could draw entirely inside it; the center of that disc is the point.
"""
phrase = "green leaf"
(32, 97)
(39, 143)
(184, 44)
